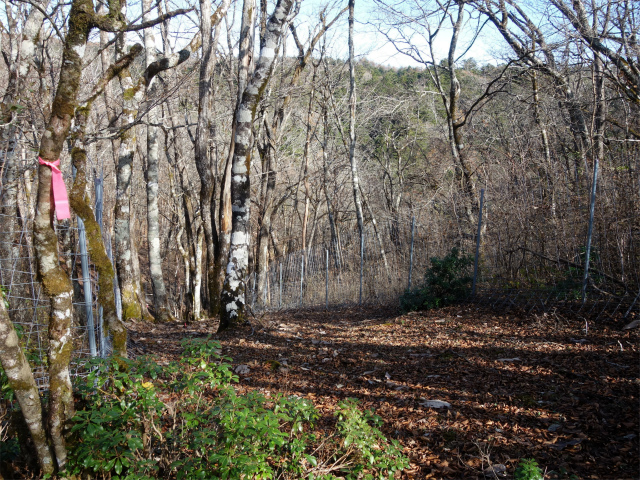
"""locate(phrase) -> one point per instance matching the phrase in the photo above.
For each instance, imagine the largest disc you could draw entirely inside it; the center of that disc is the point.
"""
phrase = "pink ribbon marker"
(58, 190)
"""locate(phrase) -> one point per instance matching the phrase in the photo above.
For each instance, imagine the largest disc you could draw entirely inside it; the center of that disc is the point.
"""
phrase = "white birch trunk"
(233, 293)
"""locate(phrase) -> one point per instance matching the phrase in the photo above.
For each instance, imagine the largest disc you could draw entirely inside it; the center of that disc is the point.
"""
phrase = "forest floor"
(519, 386)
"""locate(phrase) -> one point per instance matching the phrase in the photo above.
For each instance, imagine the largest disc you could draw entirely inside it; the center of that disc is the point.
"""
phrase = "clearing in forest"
(559, 390)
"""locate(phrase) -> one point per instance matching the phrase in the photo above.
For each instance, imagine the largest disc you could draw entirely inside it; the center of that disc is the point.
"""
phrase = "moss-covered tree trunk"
(55, 281)
(233, 292)
(129, 285)
(81, 204)
(21, 381)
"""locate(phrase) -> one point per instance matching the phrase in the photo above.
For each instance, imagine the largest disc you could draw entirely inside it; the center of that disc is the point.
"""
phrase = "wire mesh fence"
(530, 250)
(535, 248)
(28, 307)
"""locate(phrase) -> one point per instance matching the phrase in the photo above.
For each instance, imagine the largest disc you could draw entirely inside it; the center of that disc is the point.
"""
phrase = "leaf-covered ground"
(559, 390)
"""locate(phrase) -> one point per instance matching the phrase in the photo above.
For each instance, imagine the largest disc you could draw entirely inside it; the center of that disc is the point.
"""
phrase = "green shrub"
(528, 469)
(186, 421)
(446, 282)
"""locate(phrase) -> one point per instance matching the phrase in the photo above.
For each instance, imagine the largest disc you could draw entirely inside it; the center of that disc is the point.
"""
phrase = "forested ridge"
(201, 168)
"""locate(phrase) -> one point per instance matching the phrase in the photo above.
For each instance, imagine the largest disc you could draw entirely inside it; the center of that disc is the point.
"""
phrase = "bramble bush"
(446, 282)
(137, 420)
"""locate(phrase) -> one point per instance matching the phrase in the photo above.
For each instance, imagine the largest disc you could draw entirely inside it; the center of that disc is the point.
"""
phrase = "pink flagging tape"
(58, 189)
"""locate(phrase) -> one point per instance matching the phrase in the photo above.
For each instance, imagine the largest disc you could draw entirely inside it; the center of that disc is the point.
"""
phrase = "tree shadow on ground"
(518, 387)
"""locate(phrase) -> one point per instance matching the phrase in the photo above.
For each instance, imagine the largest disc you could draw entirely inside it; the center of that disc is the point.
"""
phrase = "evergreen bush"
(446, 282)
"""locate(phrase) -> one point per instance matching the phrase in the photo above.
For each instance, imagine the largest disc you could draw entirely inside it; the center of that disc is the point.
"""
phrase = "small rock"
(436, 404)
(555, 427)
(495, 471)
(514, 359)
(242, 369)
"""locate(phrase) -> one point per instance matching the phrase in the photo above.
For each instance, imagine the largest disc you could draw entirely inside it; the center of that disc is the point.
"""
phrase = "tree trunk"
(305, 162)
(9, 135)
(245, 68)
(160, 301)
(454, 117)
(203, 152)
(383, 254)
(325, 188)
(56, 283)
(233, 293)
(355, 181)
(197, 277)
(544, 171)
(18, 372)
(128, 283)
(82, 206)
(265, 220)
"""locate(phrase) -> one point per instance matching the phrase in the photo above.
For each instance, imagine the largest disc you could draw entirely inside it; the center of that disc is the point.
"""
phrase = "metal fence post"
(99, 192)
(264, 290)
(254, 294)
(361, 264)
(592, 206)
(86, 283)
(326, 283)
(475, 262)
(413, 226)
(280, 287)
(301, 278)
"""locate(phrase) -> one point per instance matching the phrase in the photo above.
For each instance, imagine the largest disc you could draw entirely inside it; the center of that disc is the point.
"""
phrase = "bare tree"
(22, 54)
(269, 144)
(225, 213)
(233, 296)
(205, 163)
(352, 125)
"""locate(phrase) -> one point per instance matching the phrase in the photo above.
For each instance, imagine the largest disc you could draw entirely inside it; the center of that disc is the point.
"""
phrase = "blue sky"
(371, 44)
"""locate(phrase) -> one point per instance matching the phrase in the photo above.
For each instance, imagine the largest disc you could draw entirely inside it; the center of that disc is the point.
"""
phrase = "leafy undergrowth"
(137, 420)
(519, 387)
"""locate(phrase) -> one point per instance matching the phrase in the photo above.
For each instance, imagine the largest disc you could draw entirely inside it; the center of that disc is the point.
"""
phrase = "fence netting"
(531, 245)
